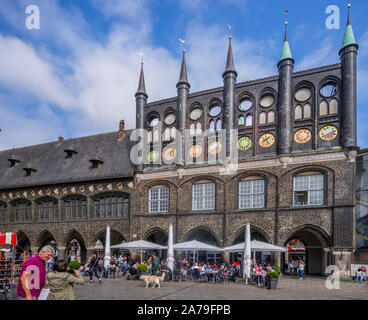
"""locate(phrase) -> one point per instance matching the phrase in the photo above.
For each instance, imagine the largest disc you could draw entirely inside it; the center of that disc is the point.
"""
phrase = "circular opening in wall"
(215, 110)
(303, 94)
(329, 90)
(170, 119)
(267, 100)
(245, 105)
(196, 113)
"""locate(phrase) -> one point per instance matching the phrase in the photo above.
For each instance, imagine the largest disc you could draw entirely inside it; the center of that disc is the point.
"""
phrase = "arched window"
(192, 129)
(167, 134)
(22, 210)
(111, 205)
(150, 139)
(75, 207)
(307, 111)
(199, 129)
(155, 136)
(251, 193)
(333, 106)
(3, 212)
(249, 121)
(308, 189)
(173, 133)
(271, 117)
(47, 209)
(298, 112)
(218, 125)
(212, 125)
(262, 118)
(241, 121)
(323, 108)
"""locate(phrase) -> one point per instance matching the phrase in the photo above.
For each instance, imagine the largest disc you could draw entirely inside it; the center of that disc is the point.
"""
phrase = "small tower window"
(262, 118)
(271, 117)
(96, 163)
(307, 111)
(298, 112)
(70, 153)
(29, 171)
(241, 121)
(323, 108)
(333, 106)
(13, 162)
(249, 121)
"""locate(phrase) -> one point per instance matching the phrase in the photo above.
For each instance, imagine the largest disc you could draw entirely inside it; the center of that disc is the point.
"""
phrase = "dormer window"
(13, 162)
(29, 171)
(70, 153)
(96, 163)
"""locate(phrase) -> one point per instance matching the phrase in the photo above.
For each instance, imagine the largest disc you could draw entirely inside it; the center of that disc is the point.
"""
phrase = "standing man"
(33, 274)
(93, 269)
(155, 264)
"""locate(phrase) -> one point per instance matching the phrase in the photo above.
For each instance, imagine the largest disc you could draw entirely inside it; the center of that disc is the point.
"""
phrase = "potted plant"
(271, 280)
(142, 268)
(277, 269)
(74, 265)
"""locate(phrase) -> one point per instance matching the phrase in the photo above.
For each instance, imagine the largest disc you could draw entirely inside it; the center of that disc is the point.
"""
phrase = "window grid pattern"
(111, 206)
(22, 211)
(48, 209)
(312, 185)
(75, 208)
(251, 194)
(159, 200)
(3, 212)
(204, 196)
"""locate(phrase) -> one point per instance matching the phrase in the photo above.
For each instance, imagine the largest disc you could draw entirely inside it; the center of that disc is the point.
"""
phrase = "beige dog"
(153, 279)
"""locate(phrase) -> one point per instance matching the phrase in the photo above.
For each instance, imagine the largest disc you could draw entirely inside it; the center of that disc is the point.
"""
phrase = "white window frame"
(203, 197)
(308, 190)
(251, 195)
(159, 200)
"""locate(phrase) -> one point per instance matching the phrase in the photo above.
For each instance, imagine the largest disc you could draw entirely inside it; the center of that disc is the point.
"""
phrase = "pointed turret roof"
(183, 78)
(349, 37)
(286, 52)
(230, 60)
(141, 86)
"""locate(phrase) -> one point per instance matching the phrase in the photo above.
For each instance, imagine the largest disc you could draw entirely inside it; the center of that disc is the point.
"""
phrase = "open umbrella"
(170, 250)
(139, 245)
(107, 257)
(255, 246)
(194, 246)
(246, 256)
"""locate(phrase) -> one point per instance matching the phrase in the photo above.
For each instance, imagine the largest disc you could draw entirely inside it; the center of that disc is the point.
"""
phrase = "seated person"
(167, 271)
(177, 272)
(259, 274)
(209, 272)
(359, 275)
(196, 271)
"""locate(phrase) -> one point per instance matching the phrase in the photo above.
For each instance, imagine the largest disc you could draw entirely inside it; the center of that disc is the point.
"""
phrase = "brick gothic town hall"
(295, 182)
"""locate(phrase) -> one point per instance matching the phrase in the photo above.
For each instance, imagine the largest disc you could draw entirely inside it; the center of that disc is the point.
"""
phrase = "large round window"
(215, 110)
(329, 90)
(245, 105)
(170, 119)
(303, 94)
(196, 113)
(267, 100)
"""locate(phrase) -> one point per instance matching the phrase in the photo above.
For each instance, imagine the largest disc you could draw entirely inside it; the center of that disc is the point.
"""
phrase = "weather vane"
(183, 42)
(286, 13)
(141, 54)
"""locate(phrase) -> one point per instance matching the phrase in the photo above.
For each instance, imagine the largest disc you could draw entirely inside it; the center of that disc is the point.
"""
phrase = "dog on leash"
(153, 279)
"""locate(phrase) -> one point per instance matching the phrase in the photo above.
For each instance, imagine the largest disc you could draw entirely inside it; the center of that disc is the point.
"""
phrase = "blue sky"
(77, 75)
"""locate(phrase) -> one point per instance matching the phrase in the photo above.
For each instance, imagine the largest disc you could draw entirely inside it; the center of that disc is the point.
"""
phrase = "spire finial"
(286, 23)
(349, 5)
(142, 85)
(229, 27)
(286, 52)
(183, 78)
(230, 59)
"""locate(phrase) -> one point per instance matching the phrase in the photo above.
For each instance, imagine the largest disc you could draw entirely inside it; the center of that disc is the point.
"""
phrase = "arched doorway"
(158, 236)
(45, 239)
(100, 240)
(204, 235)
(264, 257)
(23, 244)
(308, 245)
(75, 247)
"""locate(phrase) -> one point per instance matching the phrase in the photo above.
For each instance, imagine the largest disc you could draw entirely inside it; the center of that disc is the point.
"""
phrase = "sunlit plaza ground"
(289, 288)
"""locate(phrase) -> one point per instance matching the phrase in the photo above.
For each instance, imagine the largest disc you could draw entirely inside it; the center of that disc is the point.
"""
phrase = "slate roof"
(53, 167)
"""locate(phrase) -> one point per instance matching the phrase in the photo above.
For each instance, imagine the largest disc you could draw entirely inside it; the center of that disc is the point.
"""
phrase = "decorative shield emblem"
(153, 156)
(215, 147)
(169, 154)
(328, 133)
(195, 151)
(244, 143)
(302, 136)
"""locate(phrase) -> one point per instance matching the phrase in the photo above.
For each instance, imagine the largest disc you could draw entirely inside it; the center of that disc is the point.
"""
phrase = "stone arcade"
(297, 144)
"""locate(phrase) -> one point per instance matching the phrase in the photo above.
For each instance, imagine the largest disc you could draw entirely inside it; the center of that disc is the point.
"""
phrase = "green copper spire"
(349, 38)
(286, 52)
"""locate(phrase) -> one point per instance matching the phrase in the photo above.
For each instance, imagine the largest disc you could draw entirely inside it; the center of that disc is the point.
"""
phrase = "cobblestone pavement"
(289, 288)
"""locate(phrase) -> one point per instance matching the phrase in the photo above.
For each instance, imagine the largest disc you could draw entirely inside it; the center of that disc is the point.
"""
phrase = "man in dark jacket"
(155, 264)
